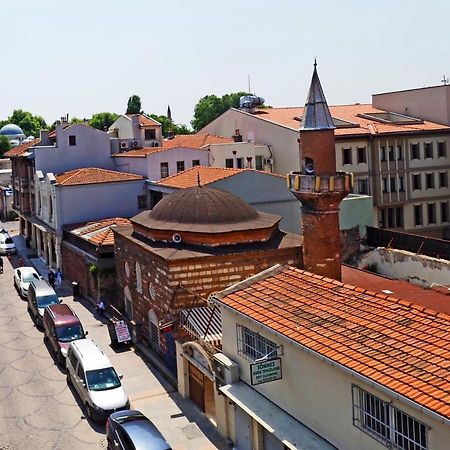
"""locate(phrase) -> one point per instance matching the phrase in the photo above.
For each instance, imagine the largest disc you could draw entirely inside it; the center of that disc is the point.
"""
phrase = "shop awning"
(203, 322)
(292, 433)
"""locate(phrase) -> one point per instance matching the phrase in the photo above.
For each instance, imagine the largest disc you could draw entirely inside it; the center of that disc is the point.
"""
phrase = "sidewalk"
(181, 422)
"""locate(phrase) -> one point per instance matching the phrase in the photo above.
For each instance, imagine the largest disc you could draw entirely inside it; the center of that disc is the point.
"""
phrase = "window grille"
(138, 278)
(253, 346)
(387, 424)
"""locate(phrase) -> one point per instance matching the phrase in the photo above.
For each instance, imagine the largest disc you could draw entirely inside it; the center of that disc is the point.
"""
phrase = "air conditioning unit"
(226, 371)
(135, 144)
(268, 161)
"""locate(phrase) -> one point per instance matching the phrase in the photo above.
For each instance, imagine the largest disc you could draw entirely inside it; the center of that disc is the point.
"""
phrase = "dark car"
(131, 430)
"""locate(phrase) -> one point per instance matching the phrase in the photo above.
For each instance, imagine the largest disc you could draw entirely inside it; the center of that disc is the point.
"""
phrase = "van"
(40, 295)
(61, 327)
(95, 380)
(7, 246)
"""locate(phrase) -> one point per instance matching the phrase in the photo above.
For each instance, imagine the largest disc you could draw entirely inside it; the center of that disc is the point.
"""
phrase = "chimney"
(319, 187)
(43, 136)
(237, 137)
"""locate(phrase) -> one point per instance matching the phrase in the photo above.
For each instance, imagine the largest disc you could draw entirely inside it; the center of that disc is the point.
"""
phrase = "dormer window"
(149, 134)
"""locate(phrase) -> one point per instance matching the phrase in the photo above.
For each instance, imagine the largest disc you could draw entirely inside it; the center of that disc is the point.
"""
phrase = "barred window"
(387, 424)
(253, 346)
(138, 278)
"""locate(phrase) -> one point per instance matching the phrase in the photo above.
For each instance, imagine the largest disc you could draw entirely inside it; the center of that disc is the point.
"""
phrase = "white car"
(23, 276)
(7, 246)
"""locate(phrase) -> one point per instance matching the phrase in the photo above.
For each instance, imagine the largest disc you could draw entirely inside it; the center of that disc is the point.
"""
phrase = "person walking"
(100, 307)
(58, 278)
(51, 278)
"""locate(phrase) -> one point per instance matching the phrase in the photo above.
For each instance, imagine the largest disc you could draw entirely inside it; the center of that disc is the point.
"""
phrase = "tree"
(134, 105)
(103, 120)
(210, 107)
(4, 145)
(30, 124)
(169, 127)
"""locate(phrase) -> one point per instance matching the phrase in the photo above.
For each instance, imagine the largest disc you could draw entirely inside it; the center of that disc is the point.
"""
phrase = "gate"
(196, 387)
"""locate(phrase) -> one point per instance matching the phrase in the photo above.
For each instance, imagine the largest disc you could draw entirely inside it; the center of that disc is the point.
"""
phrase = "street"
(37, 408)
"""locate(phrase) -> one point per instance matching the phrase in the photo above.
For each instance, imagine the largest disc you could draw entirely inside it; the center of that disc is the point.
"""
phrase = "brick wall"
(74, 269)
(320, 147)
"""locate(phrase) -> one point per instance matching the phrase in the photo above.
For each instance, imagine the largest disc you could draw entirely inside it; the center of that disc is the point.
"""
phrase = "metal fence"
(437, 248)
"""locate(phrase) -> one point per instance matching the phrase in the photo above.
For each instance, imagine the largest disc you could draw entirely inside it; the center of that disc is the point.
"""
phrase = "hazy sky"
(81, 57)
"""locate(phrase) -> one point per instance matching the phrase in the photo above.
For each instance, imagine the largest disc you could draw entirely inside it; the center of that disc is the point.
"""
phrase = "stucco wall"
(356, 210)
(318, 394)
(130, 165)
(403, 265)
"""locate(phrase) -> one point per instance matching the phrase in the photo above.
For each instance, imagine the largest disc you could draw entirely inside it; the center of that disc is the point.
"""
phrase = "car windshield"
(29, 277)
(69, 333)
(9, 241)
(47, 300)
(102, 379)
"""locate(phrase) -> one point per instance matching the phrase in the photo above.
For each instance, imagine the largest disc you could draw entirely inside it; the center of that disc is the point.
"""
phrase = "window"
(444, 212)
(387, 424)
(383, 153)
(443, 180)
(149, 135)
(415, 151)
(398, 217)
(72, 140)
(428, 150)
(138, 278)
(164, 169)
(253, 346)
(180, 166)
(401, 184)
(259, 165)
(142, 201)
(384, 184)
(362, 186)
(346, 156)
(240, 163)
(399, 152)
(416, 182)
(442, 149)
(362, 159)
(195, 162)
(390, 217)
(393, 184)
(229, 163)
(429, 177)
(431, 213)
(391, 153)
(418, 215)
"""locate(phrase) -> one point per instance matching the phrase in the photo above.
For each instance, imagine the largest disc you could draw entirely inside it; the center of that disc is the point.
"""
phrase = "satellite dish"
(176, 238)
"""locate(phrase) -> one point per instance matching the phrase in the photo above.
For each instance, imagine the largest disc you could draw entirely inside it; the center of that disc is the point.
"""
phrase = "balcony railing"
(340, 182)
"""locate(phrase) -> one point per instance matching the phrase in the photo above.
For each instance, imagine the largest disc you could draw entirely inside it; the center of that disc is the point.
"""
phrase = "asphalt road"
(37, 408)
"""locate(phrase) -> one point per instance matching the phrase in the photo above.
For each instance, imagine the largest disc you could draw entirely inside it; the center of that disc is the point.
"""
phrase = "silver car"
(23, 276)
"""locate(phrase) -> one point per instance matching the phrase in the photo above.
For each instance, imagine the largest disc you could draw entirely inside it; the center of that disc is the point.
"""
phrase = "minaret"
(319, 187)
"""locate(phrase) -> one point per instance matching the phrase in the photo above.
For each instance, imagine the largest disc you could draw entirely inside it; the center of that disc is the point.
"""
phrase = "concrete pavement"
(181, 422)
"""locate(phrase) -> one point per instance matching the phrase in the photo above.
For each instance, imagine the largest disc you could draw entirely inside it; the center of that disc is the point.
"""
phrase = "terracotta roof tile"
(98, 232)
(396, 347)
(290, 116)
(93, 175)
(21, 149)
(145, 120)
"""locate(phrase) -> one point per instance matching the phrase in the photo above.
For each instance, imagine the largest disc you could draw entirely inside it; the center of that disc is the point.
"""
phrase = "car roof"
(143, 433)
(27, 269)
(41, 287)
(63, 314)
(91, 355)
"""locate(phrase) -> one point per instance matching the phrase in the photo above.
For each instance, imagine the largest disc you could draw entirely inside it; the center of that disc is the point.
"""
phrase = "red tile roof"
(402, 346)
(290, 116)
(437, 298)
(208, 175)
(21, 149)
(93, 175)
(144, 120)
(98, 232)
(194, 141)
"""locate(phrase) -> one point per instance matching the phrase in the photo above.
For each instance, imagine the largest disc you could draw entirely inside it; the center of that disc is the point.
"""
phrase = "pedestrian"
(58, 278)
(100, 307)
(1, 264)
(51, 278)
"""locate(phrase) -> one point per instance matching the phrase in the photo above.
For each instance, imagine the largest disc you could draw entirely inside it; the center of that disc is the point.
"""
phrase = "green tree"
(75, 120)
(103, 120)
(30, 124)
(169, 127)
(134, 105)
(210, 107)
(4, 145)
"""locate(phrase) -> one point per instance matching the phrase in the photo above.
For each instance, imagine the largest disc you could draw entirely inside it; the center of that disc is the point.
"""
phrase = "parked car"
(130, 429)
(40, 295)
(95, 380)
(7, 246)
(61, 327)
(22, 278)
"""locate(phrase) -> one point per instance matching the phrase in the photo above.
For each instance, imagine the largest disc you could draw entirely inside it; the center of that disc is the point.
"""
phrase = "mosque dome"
(205, 216)
(11, 130)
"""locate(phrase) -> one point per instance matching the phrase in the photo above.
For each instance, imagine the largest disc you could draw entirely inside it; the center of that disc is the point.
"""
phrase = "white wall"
(220, 152)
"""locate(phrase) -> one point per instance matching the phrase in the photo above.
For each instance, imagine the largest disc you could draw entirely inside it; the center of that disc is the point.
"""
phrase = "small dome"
(202, 205)
(11, 130)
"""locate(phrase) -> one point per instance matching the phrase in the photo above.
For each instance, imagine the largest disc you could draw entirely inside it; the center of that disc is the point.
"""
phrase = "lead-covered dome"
(205, 216)
(11, 130)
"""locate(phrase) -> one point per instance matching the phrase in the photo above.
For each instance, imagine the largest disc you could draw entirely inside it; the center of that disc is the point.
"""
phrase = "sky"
(81, 57)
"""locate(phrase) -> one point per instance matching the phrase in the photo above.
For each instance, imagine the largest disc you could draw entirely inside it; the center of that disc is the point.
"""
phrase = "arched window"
(138, 278)
(153, 328)
(128, 302)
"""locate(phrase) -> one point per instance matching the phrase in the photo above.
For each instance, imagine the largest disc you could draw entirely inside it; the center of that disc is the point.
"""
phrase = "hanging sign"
(122, 332)
(265, 371)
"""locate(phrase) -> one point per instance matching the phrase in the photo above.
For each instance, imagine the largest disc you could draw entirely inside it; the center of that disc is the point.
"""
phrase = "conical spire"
(316, 115)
